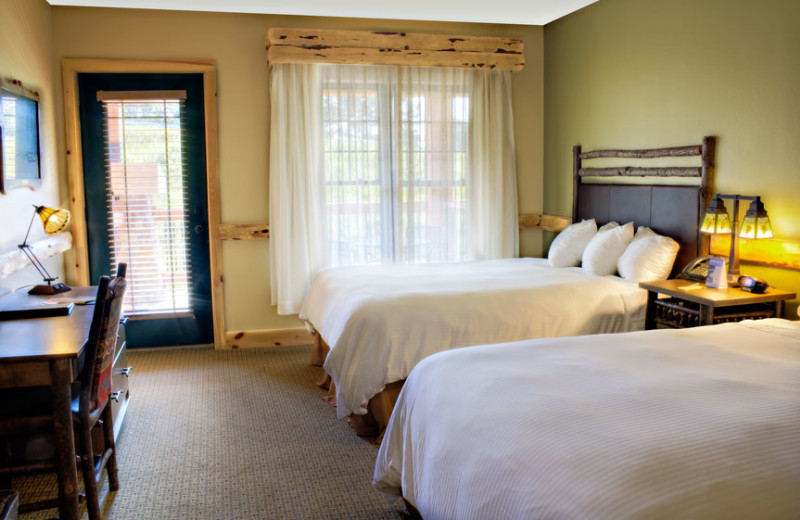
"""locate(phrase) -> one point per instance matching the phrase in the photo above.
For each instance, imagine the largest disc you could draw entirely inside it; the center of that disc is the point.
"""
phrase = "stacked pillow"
(567, 248)
(613, 248)
(604, 249)
(648, 257)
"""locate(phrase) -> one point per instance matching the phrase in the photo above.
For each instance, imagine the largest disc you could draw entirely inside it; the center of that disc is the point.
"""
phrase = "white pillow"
(610, 225)
(568, 246)
(648, 258)
(644, 232)
(604, 249)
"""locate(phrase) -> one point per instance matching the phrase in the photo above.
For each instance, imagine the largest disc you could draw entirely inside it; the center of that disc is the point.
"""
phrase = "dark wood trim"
(576, 179)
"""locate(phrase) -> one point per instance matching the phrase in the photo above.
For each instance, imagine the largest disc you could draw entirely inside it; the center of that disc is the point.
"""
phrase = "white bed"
(692, 423)
(380, 321)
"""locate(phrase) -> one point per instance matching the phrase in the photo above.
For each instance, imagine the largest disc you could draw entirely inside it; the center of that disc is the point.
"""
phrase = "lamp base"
(46, 288)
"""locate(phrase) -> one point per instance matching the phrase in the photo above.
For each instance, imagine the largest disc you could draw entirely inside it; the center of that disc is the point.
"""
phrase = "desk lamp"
(54, 221)
(755, 225)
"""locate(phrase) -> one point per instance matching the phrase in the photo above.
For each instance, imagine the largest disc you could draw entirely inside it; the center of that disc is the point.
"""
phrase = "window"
(381, 164)
(395, 166)
(146, 195)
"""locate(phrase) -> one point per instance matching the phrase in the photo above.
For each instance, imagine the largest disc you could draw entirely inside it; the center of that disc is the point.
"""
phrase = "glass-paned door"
(145, 185)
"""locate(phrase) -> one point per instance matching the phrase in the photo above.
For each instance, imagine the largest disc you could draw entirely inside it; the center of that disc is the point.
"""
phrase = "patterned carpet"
(234, 435)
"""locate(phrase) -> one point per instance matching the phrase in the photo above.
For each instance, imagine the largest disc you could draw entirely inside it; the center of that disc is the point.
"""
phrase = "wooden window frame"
(71, 67)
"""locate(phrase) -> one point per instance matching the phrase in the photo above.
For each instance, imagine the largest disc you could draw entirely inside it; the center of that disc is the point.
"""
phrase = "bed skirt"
(379, 408)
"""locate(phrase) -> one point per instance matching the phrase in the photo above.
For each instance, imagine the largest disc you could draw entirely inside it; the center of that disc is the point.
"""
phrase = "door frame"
(71, 67)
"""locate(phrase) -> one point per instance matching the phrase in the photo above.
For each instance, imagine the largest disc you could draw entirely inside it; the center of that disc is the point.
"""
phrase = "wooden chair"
(90, 406)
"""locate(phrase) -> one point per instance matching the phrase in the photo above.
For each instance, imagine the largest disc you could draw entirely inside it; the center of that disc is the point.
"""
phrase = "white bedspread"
(694, 423)
(380, 321)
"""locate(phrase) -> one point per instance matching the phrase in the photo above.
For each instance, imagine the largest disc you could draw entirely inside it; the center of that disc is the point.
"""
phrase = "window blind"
(146, 196)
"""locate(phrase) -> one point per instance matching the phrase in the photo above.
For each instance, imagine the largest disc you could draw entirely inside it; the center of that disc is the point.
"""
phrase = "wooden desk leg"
(779, 308)
(706, 315)
(650, 311)
(65, 440)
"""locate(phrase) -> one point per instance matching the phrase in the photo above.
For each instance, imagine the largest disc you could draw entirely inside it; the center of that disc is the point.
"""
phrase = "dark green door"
(143, 138)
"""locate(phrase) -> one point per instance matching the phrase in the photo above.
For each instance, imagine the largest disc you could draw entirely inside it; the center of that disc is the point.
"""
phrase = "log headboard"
(672, 210)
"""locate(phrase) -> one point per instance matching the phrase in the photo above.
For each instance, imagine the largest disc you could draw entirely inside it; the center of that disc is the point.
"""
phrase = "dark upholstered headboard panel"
(675, 211)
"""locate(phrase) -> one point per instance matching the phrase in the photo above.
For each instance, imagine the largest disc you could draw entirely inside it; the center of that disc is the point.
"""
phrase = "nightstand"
(690, 306)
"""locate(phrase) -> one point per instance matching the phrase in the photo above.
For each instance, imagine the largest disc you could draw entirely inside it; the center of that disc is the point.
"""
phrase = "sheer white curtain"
(296, 201)
(410, 165)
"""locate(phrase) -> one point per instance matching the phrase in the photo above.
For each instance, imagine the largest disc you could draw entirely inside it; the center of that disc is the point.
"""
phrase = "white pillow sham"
(648, 258)
(604, 249)
(567, 248)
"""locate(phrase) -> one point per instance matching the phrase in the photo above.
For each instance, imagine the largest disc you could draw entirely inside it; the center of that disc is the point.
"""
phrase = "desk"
(46, 351)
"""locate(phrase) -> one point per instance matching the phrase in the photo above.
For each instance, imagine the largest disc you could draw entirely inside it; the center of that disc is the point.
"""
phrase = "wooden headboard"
(671, 210)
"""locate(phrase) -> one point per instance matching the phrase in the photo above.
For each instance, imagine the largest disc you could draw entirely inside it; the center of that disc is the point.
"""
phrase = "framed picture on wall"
(19, 137)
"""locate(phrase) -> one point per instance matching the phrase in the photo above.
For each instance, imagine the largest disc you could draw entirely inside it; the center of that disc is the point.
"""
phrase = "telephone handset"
(696, 270)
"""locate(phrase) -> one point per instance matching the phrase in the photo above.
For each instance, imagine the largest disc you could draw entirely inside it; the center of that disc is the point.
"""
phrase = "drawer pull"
(125, 371)
(116, 395)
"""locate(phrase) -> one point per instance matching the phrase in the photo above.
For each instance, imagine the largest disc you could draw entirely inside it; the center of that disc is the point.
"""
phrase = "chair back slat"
(100, 347)
(107, 342)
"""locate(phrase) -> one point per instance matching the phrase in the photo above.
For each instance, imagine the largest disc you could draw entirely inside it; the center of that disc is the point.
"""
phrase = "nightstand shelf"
(690, 306)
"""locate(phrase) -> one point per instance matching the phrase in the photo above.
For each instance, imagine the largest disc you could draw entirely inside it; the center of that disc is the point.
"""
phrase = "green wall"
(653, 73)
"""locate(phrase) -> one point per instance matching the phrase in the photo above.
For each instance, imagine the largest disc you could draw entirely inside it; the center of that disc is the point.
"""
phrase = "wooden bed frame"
(669, 209)
(672, 210)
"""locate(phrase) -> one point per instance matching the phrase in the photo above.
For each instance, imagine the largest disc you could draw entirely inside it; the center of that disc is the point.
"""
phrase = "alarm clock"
(752, 284)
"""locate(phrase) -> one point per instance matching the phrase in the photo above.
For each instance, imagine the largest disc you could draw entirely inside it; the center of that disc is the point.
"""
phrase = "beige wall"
(26, 54)
(236, 43)
(652, 73)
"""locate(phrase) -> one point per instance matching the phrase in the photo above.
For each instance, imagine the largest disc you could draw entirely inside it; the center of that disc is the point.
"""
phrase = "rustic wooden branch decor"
(243, 231)
(267, 338)
(260, 230)
(16, 260)
(676, 208)
(544, 222)
(393, 48)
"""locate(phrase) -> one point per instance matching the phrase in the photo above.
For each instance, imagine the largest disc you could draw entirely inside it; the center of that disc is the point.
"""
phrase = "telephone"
(696, 270)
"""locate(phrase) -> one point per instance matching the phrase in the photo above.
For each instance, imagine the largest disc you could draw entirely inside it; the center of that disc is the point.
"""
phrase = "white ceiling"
(523, 12)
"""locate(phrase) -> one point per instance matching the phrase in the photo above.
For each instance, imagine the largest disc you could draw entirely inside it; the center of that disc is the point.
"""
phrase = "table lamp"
(54, 221)
(755, 225)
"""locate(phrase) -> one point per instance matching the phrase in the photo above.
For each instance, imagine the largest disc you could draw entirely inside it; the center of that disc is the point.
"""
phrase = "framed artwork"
(19, 137)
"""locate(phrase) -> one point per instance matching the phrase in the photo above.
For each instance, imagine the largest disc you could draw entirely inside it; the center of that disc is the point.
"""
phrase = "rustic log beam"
(267, 338)
(16, 260)
(419, 58)
(327, 38)
(544, 222)
(258, 231)
(680, 151)
(632, 171)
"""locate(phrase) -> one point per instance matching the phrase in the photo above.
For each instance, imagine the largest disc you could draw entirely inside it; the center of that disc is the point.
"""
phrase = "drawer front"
(119, 380)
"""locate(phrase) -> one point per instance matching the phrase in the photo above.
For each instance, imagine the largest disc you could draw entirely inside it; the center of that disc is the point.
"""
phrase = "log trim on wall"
(393, 48)
(267, 338)
(16, 260)
(260, 230)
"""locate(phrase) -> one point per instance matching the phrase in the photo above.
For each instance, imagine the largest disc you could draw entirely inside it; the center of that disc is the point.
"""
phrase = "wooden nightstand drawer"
(677, 314)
